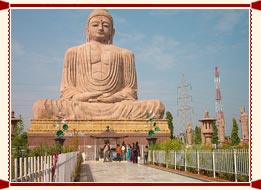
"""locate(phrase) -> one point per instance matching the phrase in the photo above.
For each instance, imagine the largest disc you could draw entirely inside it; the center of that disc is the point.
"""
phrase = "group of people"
(127, 152)
(133, 152)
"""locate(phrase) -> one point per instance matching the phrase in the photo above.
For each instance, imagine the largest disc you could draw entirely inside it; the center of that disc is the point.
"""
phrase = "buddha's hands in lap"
(107, 98)
(94, 97)
(86, 96)
(112, 98)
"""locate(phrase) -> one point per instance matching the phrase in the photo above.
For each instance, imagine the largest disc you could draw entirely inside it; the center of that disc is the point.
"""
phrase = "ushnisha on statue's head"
(99, 27)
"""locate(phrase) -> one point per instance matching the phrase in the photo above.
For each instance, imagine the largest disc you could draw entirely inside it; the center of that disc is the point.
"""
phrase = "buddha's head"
(100, 27)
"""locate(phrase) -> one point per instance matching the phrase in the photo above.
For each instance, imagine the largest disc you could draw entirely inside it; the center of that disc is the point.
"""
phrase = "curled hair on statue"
(100, 12)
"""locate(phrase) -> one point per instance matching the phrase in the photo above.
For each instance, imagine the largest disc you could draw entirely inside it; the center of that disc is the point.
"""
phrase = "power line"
(184, 101)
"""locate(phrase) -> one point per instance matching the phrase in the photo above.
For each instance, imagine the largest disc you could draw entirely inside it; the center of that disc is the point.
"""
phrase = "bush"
(242, 178)
(155, 147)
(192, 170)
(206, 172)
(171, 144)
(45, 149)
(76, 173)
(226, 176)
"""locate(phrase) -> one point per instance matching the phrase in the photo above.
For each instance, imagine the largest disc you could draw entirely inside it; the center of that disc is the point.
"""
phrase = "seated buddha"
(99, 80)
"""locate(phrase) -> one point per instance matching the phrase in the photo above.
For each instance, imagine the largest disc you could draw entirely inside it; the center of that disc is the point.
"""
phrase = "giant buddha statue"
(99, 80)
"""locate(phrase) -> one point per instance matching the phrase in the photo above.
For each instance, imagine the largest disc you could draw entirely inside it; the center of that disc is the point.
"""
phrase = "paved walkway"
(95, 171)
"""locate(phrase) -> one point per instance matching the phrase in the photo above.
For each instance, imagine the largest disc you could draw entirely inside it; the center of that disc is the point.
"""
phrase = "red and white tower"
(219, 107)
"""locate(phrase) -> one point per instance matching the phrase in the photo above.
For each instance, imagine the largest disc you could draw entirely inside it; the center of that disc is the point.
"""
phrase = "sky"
(170, 45)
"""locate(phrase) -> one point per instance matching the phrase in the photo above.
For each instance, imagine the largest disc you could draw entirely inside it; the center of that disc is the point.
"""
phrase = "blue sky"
(166, 43)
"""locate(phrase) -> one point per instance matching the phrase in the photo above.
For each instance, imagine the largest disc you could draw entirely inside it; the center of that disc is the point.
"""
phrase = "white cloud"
(126, 38)
(228, 21)
(118, 20)
(159, 52)
(17, 48)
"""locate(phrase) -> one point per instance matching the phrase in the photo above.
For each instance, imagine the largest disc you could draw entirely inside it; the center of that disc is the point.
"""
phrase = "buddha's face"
(100, 29)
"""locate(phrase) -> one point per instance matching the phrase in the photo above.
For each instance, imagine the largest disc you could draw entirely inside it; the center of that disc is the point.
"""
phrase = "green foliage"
(19, 141)
(197, 135)
(67, 149)
(242, 146)
(20, 125)
(171, 144)
(234, 133)
(226, 176)
(205, 147)
(156, 146)
(238, 146)
(76, 172)
(242, 178)
(200, 147)
(192, 170)
(75, 142)
(169, 117)
(226, 146)
(214, 138)
(45, 149)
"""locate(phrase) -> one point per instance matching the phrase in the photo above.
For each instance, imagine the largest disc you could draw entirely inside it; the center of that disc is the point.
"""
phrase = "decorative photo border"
(254, 6)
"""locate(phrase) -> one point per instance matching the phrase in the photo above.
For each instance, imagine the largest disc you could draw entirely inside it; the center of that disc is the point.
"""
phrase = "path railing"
(234, 162)
(52, 168)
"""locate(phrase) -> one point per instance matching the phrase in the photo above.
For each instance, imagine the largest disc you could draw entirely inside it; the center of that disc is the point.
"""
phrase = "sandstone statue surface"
(99, 80)
(189, 134)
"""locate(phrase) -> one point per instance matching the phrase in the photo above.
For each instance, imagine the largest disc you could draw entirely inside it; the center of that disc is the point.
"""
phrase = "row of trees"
(196, 135)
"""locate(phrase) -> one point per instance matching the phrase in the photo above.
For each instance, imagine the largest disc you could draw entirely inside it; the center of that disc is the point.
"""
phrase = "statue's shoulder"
(72, 50)
(76, 49)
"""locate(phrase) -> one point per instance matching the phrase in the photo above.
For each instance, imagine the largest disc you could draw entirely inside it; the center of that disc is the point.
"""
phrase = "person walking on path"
(132, 152)
(136, 153)
(106, 152)
(123, 151)
(118, 151)
(146, 153)
(128, 156)
(105, 149)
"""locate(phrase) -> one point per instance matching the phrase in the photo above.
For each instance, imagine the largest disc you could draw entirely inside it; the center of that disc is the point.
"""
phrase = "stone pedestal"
(43, 131)
(151, 140)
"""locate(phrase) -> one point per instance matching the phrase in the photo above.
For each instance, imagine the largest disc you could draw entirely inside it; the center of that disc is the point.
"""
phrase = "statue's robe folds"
(118, 79)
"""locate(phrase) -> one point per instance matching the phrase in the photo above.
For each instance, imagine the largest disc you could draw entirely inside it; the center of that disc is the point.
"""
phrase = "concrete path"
(95, 171)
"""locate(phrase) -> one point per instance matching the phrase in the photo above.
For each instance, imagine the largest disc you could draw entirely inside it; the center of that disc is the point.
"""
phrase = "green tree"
(214, 138)
(19, 140)
(234, 133)
(75, 141)
(169, 117)
(197, 135)
(170, 144)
